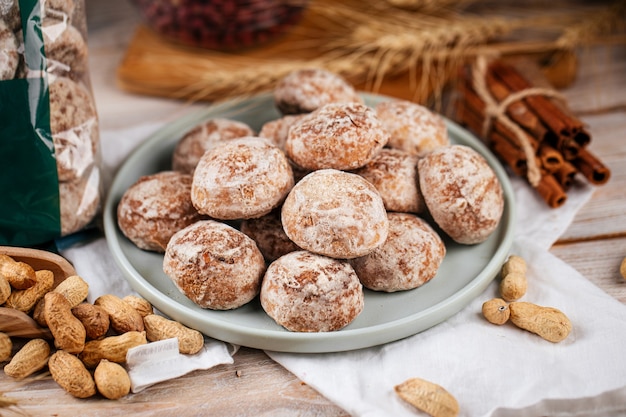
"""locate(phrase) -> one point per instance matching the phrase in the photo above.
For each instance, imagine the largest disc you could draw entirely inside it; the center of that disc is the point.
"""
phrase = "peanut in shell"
(32, 357)
(19, 274)
(428, 397)
(548, 322)
(70, 373)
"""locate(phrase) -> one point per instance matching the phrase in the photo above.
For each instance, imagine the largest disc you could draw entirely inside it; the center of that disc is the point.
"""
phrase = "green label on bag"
(29, 186)
(29, 211)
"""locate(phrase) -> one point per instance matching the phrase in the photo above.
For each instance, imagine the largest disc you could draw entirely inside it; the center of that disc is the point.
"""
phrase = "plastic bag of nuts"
(49, 139)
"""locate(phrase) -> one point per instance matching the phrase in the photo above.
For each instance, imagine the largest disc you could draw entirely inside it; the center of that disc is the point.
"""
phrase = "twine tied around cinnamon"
(495, 110)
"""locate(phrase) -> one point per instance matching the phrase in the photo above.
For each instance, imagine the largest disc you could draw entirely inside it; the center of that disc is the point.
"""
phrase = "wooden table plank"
(251, 387)
(605, 213)
(600, 82)
(598, 261)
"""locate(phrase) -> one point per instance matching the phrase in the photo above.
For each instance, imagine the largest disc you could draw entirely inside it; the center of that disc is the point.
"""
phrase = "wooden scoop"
(41, 259)
(16, 323)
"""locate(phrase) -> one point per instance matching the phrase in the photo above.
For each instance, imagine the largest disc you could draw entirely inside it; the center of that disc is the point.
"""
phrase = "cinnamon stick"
(591, 167)
(565, 175)
(551, 191)
(468, 114)
(518, 111)
(582, 137)
(477, 105)
(537, 77)
(513, 157)
(467, 117)
(550, 159)
(501, 146)
(557, 137)
(564, 127)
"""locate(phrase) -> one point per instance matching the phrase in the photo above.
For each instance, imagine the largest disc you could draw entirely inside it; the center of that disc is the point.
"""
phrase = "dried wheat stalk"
(603, 22)
(365, 42)
(9, 406)
(389, 41)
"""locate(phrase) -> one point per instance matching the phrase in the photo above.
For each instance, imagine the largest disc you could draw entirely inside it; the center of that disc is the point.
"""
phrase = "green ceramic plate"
(464, 274)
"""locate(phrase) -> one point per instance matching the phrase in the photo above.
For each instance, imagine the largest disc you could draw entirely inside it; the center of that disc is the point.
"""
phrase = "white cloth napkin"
(492, 370)
(497, 370)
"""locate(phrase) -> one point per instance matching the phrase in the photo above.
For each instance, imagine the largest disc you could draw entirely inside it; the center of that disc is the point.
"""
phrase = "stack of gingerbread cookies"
(332, 197)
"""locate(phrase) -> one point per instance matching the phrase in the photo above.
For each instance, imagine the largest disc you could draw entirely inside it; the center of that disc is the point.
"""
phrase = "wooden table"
(254, 385)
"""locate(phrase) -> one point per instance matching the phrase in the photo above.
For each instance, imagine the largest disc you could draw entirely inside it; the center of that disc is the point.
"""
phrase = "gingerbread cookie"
(10, 14)
(462, 193)
(412, 127)
(305, 292)
(214, 265)
(155, 207)
(394, 174)
(66, 49)
(277, 130)
(58, 9)
(9, 57)
(340, 136)
(409, 258)
(79, 201)
(241, 178)
(73, 123)
(268, 233)
(198, 140)
(335, 213)
(305, 90)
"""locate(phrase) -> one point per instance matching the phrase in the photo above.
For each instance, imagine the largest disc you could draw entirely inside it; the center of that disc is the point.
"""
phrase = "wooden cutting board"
(149, 59)
(153, 65)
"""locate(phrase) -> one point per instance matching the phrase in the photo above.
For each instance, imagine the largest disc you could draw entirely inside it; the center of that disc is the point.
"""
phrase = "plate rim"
(319, 342)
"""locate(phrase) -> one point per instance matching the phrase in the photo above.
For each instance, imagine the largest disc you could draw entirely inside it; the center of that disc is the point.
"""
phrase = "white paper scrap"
(160, 361)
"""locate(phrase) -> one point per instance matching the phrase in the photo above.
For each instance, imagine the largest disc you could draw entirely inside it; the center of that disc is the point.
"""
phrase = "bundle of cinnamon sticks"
(536, 125)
